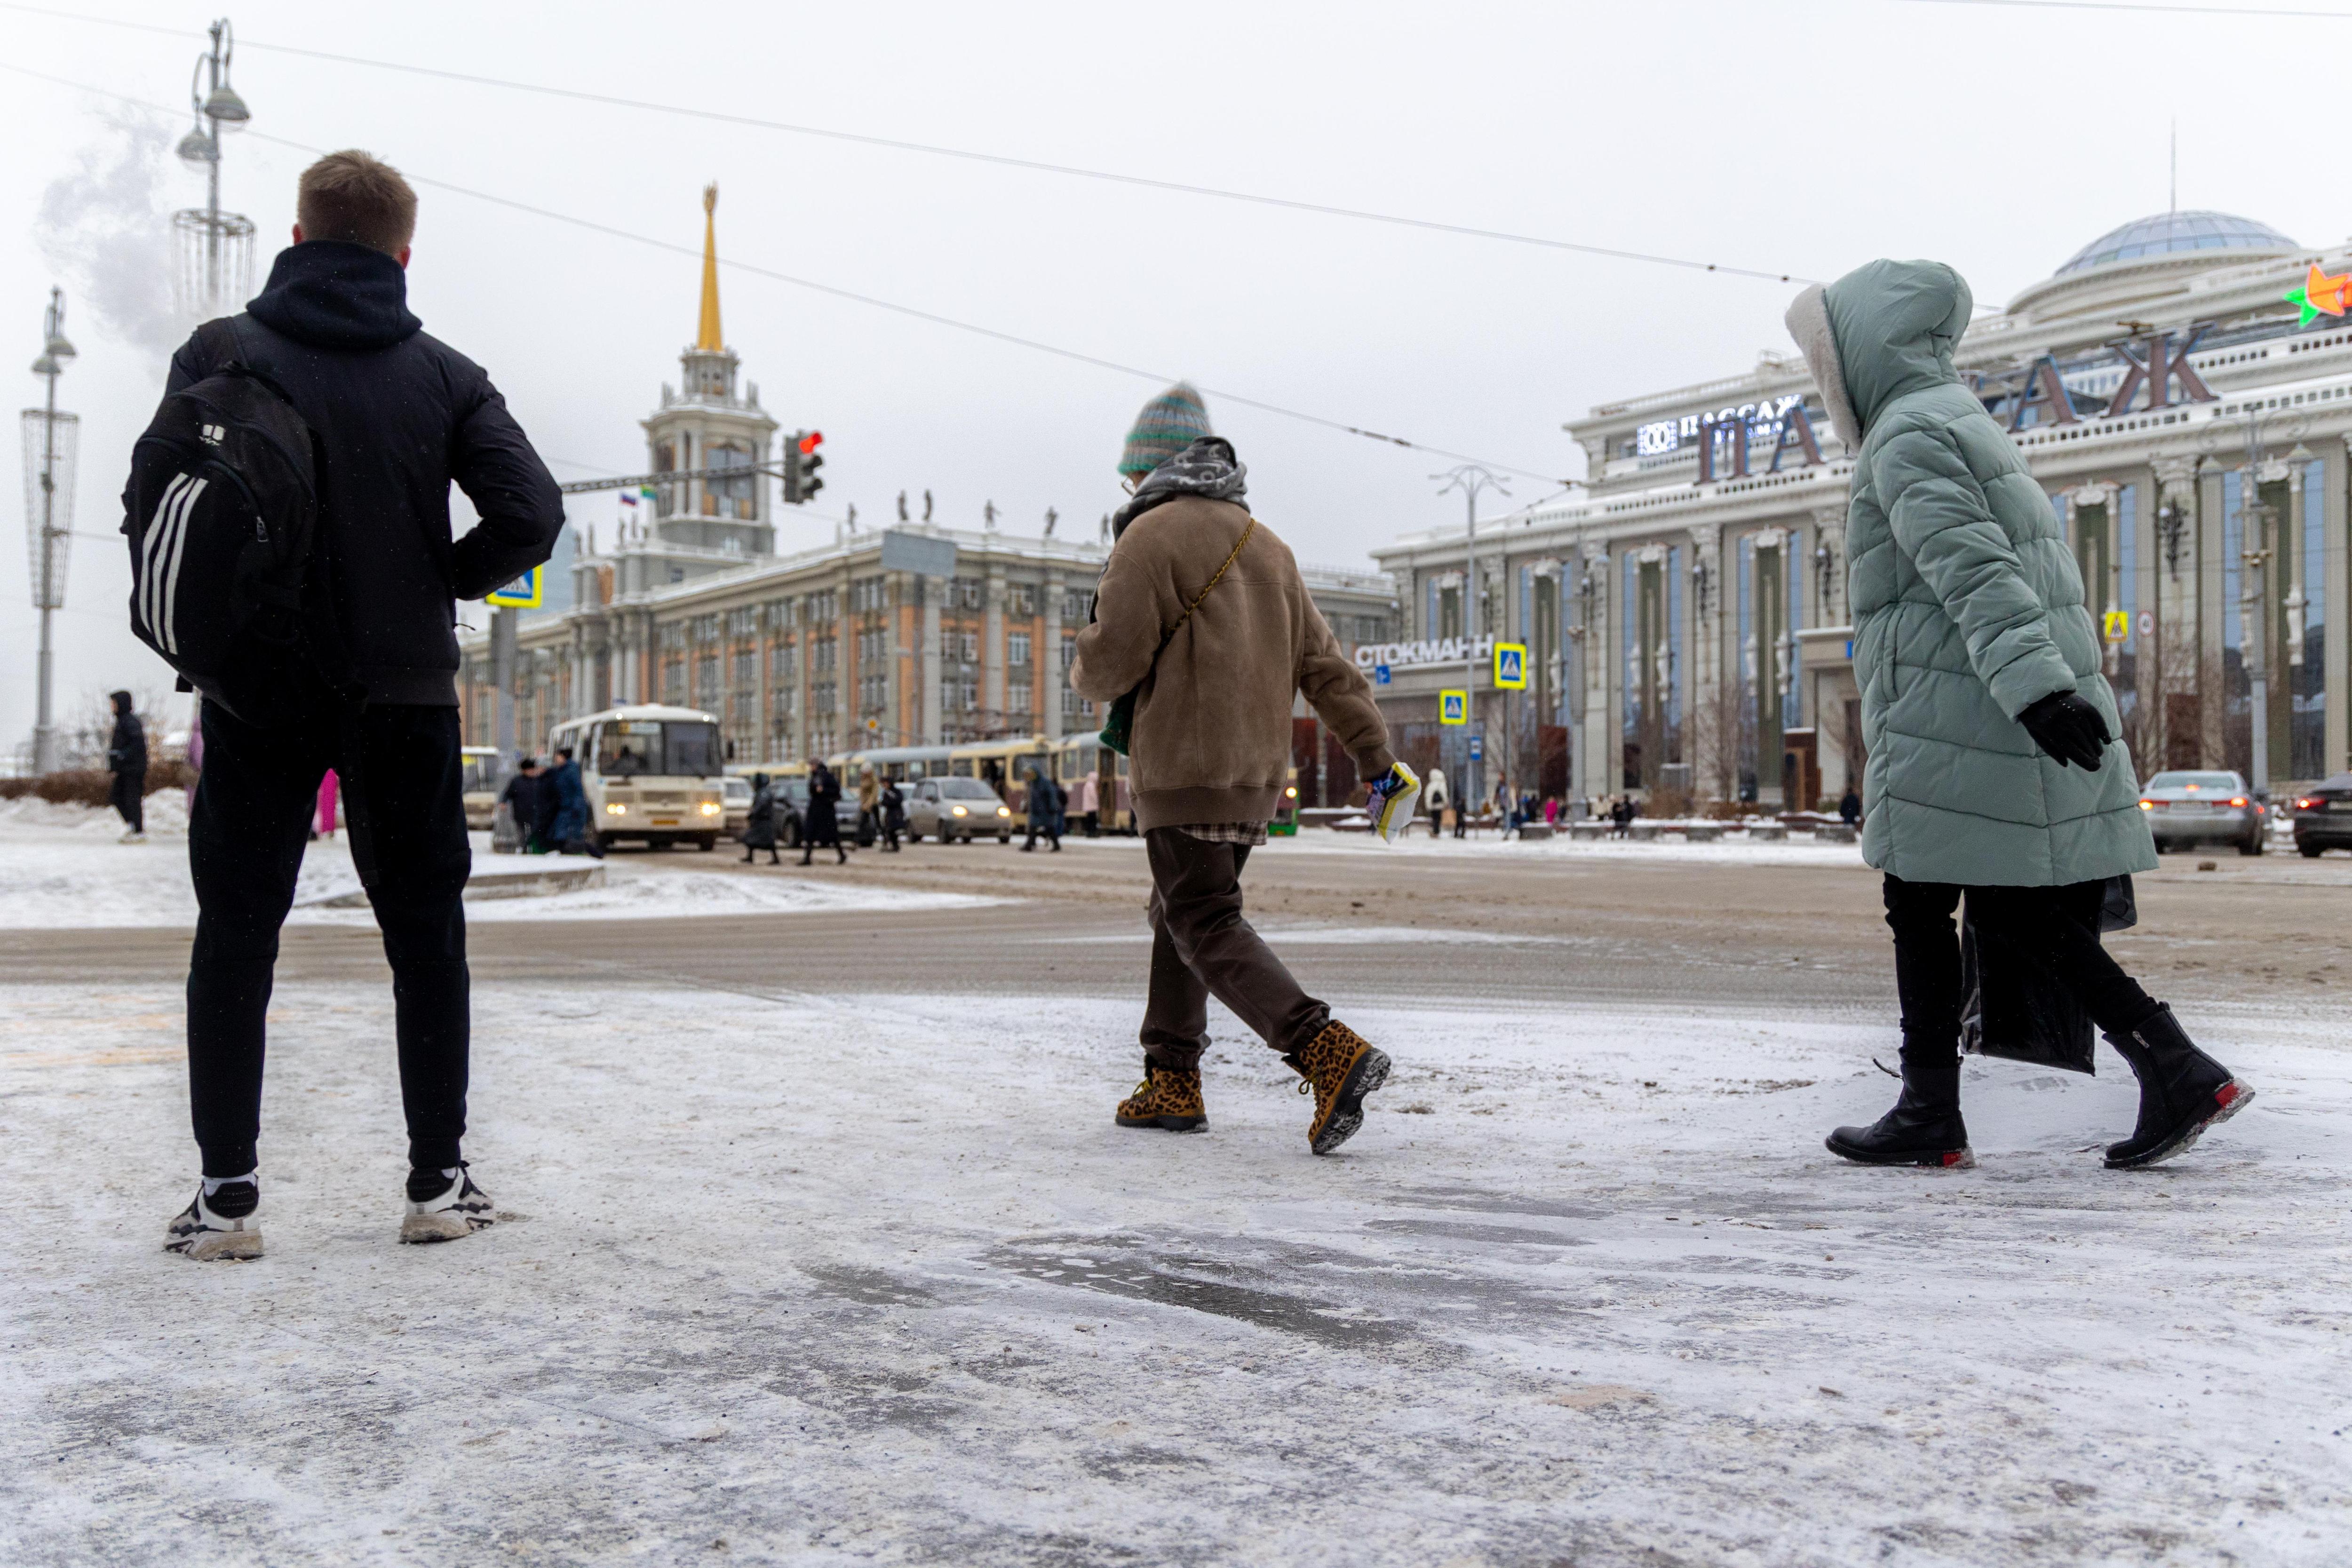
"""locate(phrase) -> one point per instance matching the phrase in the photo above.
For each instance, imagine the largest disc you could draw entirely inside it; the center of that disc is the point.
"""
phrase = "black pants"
(1200, 946)
(2057, 929)
(403, 792)
(127, 795)
(1050, 829)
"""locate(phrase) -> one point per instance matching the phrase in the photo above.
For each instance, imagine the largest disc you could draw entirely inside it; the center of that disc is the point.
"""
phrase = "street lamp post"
(1470, 479)
(215, 277)
(50, 517)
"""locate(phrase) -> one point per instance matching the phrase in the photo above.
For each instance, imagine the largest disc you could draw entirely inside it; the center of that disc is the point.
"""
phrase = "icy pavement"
(819, 1279)
(61, 868)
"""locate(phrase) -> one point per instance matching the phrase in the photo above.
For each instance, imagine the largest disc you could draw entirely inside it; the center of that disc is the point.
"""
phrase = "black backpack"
(227, 557)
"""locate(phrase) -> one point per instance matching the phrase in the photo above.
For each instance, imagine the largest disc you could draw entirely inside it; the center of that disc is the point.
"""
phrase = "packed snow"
(822, 1279)
(61, 867)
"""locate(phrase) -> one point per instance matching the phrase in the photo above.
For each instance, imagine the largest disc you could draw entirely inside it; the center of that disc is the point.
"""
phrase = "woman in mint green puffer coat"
(1993, 768)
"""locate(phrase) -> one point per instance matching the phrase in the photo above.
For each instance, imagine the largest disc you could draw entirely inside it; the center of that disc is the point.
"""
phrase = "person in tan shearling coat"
(1201, 615)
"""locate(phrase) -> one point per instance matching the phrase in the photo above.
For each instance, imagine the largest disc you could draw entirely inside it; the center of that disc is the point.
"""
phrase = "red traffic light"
(810, 442)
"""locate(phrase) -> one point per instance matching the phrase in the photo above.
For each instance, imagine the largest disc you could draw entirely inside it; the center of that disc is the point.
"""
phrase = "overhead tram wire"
(2147, 8)
(1034, 166)
(912, 311)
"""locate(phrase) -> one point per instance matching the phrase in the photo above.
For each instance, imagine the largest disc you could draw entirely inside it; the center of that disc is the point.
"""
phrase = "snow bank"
(60, 868)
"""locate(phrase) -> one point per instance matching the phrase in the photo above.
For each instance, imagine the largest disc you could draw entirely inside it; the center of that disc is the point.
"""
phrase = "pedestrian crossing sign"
(525, 593)
(2119, 624)
(1454, 708)
(1510, 666)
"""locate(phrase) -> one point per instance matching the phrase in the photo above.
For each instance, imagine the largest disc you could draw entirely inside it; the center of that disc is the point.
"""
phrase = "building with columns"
(828, 649)
(2182, 388)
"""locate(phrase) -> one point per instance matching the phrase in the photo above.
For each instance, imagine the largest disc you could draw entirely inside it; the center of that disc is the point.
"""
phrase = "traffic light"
(802, 461)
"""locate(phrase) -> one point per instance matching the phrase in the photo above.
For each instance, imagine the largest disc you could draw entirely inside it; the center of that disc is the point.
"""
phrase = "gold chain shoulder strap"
(1213, 582)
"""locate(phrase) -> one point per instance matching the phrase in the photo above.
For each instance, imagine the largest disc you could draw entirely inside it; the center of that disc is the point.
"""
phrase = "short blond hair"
(358, 198)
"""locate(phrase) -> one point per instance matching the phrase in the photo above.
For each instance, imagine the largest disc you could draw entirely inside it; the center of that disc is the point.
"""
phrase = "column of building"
(991, 643)
(1049, 680)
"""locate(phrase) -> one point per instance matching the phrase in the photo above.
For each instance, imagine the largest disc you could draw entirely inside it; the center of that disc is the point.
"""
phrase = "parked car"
(792, 812)
(735, 799)
(2186, 809)
(2323, 817)
(951, 808)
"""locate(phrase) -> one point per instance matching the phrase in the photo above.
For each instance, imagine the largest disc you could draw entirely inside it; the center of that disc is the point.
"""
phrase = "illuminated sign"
(1510, 666)
(2321, 293)
(523, 594)
(1671, 434)
(1454, 708)
(2119, 624)
(1420, 655)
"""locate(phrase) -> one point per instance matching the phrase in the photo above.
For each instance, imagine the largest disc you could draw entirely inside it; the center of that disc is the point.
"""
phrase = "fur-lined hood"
(1883, 329)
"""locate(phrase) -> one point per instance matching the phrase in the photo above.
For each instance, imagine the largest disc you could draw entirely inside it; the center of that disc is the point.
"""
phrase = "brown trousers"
(1200, 946)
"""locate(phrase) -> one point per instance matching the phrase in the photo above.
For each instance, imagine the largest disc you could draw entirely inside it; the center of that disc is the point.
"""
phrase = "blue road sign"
(1477, 747)
(1379, 675)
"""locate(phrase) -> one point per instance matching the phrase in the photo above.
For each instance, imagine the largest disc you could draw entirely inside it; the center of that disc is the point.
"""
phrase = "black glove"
(2069, 728)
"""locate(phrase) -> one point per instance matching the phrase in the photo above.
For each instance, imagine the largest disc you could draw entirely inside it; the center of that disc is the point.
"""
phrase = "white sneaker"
(202, 1231)
(133, 837)
(455, 1210)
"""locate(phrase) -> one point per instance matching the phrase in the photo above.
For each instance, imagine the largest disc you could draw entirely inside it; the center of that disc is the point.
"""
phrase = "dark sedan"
(2323, 817)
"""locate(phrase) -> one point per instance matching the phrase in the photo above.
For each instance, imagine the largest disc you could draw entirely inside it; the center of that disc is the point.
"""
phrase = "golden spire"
(708, 335)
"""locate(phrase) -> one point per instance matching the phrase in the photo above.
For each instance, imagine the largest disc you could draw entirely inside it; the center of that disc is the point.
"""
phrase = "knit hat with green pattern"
(1168, 423)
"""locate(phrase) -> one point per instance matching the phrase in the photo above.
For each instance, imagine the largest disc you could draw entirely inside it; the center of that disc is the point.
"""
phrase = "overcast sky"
(1806, 136)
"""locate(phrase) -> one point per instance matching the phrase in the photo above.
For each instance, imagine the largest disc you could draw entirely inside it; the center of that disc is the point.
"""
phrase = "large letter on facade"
(1795, 422)
(2165, 364)
(2044, 386)
(1732, 431)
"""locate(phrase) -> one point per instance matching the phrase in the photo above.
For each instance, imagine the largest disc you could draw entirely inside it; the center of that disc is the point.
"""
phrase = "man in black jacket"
(399, 417)
(126, 759)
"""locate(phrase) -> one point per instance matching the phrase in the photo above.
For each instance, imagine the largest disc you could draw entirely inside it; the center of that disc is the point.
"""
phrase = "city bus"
(651, 775)
(480, 786)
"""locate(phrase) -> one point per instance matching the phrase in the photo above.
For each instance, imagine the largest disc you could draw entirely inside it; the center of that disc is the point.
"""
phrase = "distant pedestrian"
(1551, 811)
(330, 799)
(565, 804)
(401, 418)
(1044, 811)
(760, 822)
(1088, 804)
(823, 825)
(126, 759)
(1993, 769)
(894, 814)
(1438, 798)
(869, 806)
(1202, 616)
(1849, 805)
(524, 798)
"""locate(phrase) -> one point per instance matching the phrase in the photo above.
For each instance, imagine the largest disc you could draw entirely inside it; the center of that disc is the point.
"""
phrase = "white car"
(735, 799)
(951, 808)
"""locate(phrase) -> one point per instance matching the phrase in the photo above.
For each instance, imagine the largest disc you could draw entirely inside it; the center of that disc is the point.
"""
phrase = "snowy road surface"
(791, 1278)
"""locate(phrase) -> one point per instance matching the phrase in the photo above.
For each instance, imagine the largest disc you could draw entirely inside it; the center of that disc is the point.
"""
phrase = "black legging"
(2057, 929)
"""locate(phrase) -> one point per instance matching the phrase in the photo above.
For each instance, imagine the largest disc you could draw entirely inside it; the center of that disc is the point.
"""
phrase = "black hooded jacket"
(399, 416)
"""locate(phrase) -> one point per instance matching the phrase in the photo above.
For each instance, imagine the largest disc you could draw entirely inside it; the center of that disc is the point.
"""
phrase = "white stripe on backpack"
(157, 527)
(171, 577)
(166, 544)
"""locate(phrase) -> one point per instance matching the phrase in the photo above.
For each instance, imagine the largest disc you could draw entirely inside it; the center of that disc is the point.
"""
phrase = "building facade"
(840, 647)
(2182, 387)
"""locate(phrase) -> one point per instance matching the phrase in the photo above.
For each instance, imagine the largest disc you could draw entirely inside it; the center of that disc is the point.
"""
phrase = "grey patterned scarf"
(1206, 468)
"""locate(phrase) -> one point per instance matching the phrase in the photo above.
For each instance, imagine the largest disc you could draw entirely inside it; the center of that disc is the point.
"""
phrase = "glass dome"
(2169, 232)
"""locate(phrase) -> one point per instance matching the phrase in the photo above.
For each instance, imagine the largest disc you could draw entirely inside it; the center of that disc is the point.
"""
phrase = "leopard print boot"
(1338, 1068)
(1168, 1099)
